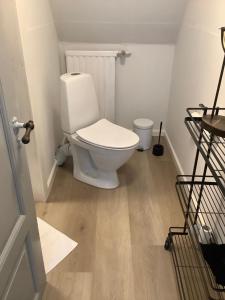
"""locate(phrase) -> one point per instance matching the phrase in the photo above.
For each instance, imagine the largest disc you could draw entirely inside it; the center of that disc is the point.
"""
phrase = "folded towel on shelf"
(214, 254)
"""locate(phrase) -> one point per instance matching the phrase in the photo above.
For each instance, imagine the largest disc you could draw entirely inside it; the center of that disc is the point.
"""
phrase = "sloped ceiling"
(118, 21)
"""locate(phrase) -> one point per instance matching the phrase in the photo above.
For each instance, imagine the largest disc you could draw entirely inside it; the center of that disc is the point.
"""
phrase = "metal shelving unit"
(202, 199)
(212, 148)
(187, 266)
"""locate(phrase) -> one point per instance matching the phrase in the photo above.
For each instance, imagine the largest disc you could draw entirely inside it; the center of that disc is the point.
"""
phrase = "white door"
(22, 275)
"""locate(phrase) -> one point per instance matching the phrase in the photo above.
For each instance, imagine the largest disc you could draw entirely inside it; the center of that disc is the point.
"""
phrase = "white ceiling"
(118, 21)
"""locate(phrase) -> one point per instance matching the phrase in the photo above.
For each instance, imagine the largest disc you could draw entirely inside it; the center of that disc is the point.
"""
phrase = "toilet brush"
(158, 149)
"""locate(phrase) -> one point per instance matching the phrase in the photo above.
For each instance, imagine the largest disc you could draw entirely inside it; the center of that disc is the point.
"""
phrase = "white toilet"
(98, 146)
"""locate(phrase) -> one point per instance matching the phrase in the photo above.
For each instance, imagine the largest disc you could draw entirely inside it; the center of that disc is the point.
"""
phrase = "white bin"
(143, 128)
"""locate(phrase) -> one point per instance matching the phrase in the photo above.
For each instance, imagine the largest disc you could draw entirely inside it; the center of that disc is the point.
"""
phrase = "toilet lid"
(108, 135)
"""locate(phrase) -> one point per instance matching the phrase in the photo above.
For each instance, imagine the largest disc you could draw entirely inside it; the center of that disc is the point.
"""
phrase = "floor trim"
(51, 179)
(173, 153)
(52, 175)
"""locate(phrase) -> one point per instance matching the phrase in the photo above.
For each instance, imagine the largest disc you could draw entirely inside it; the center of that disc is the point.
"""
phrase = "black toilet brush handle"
(160, 132)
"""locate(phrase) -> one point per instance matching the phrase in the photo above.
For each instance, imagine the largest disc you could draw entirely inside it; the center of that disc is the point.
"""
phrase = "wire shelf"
(212, 148)
(202, 198)
(187, 267)
(204, 204)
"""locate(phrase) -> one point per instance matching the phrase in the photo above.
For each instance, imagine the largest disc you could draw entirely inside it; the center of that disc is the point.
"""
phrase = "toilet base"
(85, 170)
(104, 180)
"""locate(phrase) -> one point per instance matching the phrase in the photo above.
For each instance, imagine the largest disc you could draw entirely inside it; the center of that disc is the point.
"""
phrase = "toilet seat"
(107, 135)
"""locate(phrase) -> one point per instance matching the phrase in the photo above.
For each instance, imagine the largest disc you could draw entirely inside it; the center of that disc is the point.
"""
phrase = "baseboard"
(51, 179)
(179, 168)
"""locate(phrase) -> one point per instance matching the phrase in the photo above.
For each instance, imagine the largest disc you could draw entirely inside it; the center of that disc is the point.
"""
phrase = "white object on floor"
(143, 128)
(55, 245)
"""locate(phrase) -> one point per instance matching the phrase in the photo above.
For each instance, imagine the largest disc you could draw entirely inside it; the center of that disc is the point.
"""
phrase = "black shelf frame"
(211, 213)
(202, 199)
(188, 268)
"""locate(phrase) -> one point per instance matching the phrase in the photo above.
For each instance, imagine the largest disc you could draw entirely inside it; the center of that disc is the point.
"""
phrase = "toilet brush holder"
(158, 149)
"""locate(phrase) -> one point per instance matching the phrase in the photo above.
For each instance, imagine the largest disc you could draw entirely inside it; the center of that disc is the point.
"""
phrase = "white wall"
(142, 80)
(198, 59)
(117, 21)
(40, 49)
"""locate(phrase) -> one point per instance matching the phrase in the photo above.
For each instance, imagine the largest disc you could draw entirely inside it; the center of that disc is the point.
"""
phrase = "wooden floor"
(120, 232)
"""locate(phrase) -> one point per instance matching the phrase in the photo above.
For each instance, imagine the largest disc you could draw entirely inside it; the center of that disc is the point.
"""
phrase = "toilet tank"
(79, 104)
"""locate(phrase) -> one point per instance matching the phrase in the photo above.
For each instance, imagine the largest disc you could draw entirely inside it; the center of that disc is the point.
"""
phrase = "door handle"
(29, 126)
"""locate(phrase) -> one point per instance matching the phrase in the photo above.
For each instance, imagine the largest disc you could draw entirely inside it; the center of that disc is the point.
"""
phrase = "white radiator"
(102, 66)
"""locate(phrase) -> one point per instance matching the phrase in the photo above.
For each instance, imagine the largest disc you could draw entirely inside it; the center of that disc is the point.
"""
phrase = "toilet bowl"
(98, 146)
